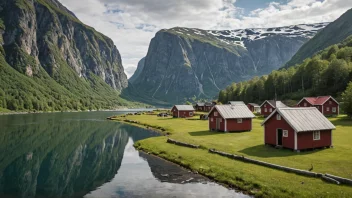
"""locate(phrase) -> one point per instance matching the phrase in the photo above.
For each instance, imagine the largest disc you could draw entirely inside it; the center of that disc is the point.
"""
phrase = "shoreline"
(103, 110)
(165, 133)
(228, 186)
(248, 178)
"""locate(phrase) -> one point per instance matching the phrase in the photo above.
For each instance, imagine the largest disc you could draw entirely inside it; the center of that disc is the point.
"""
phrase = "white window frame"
(265, 105)
(327, 108)
(265, 110)
(271, 110)
(316, 135)
(278, 117)
(215, 113)
(211, 120)
(334, 109)
(190, 113)
(285, 133)
(239, 120)
(305, 104)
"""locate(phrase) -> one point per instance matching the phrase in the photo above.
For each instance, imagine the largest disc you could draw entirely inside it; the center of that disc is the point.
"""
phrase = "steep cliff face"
(334, 33)
(183, 63)
(49, 33)
(43, 39)
(139, 70)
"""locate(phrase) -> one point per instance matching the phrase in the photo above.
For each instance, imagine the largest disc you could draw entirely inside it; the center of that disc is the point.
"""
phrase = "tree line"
(326, 73)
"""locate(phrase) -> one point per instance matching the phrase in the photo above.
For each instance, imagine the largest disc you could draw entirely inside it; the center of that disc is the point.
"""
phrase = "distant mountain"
(49, 60)
(139, 70)
(334, 33)
(182, 63)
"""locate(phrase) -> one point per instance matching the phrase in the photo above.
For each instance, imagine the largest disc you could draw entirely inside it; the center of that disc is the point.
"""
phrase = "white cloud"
(132, 23)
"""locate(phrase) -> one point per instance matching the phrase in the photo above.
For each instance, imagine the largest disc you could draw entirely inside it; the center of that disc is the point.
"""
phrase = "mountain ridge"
(184, 63)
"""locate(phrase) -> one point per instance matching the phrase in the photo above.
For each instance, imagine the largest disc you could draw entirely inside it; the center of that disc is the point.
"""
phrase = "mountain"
(138, 72)
(49, 60)
(334, 33)
(182, 63)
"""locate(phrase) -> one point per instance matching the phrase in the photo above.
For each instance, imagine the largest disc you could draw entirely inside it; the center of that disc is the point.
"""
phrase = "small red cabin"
(182, 111)
(327, 105)
(230, 118)
(269, 106)
(206, 107)
(253, 107)
(298, 129)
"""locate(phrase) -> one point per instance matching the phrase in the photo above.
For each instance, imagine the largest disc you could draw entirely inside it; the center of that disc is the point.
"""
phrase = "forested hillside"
(326, 73)
(51, 61)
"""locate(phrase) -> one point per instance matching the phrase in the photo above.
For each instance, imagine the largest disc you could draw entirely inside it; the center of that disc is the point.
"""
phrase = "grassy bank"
(253, 178)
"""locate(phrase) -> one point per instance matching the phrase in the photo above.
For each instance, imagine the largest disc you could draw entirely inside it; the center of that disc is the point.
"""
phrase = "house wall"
(250, 107)
(268, 107)
(232, 125)
(212, 121)
(305, 140)
(270, 133)
(181, 114)
(328, 108)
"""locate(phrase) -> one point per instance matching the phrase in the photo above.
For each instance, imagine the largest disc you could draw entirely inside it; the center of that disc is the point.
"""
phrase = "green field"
(258, 180)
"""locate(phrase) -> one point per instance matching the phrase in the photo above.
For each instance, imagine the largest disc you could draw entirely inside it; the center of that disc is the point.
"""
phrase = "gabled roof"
(304, 119)
(184, 107)
(233, 111)
(236, 102)
(200, 104)
(254, 104)
(209, 104)
(275, 104)
(320, 100)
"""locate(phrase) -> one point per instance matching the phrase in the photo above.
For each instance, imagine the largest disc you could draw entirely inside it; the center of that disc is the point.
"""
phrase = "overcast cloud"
(131, 24)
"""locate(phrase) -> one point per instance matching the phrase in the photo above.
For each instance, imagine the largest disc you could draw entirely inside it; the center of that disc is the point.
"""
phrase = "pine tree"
(347, 100)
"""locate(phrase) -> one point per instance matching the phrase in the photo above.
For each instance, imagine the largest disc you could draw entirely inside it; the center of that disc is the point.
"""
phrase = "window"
(327, 108)
(271, 109)
(330, 102)
(278, 117)
(190, 113)
(265, 105)
(215, 113)
(316, 135)
(239, 120)
(305, 104)
(285, 133)
(265, 110)
(334, 109)
(211, 119)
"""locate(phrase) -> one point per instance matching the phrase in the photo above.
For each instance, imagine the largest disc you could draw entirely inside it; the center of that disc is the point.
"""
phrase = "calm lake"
(84, 155)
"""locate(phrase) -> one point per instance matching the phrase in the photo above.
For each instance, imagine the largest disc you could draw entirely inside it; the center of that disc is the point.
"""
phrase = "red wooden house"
(269, 106)
(298, 129)
(327, 105)
(230, 118)
(253, 107)
(206, 107)
(182, 111)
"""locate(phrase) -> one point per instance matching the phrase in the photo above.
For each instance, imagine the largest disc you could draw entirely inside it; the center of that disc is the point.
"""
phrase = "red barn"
(182, 111)
(269, 106)
(298, 129)
(327, 105)
(253, 107)
(230, 118)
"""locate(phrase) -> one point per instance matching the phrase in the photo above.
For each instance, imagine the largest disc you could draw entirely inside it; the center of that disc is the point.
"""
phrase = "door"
(218, 123)
(279, 137)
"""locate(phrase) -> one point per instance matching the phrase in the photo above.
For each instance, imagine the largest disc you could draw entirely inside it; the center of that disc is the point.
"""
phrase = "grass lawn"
(253, 178)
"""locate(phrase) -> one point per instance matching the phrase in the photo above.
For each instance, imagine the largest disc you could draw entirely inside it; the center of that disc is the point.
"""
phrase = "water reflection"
(82, 154)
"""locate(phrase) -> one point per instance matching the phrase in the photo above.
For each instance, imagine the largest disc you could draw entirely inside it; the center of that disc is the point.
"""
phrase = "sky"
(131, 24)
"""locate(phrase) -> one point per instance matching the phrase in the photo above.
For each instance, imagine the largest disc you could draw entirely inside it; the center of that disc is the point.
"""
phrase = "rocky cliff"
(182, 63)
(334, 33)
(42, 39)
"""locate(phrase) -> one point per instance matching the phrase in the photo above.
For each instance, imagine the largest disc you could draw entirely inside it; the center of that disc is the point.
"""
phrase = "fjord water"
(84, 155)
